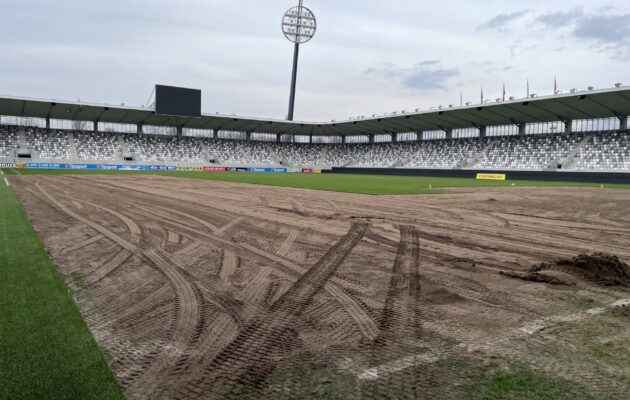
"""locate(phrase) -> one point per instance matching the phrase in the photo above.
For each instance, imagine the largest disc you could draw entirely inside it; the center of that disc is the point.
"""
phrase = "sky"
(368, 57)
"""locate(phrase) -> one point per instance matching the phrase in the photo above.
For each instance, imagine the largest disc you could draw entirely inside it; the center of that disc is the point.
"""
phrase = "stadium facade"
(577, 131)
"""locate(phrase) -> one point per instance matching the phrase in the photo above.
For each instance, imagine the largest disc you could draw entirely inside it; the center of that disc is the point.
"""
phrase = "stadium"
(469, 251)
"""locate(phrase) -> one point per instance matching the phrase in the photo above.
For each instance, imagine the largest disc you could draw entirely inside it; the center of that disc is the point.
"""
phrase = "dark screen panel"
(176, 101)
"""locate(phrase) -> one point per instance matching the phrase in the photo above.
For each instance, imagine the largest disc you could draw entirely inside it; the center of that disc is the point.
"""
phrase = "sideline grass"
(522, 383)
(365, 184)
(46, 350)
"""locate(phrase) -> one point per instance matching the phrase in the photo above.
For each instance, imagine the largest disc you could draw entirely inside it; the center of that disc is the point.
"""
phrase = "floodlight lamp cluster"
(299, 24)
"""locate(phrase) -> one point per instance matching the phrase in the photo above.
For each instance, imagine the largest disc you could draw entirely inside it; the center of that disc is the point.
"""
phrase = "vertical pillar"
(623, 123)
(95, 126)
(449, 134)
(139, 129)
(419, 135)
(310, 138)
(215, 134)
(278, 138)
(395, 137)
(47, 122)
(179, 131)
(343, 139)
(522, 129)
(483, 131)
(568, 126)
(371, 139)
(248, 136)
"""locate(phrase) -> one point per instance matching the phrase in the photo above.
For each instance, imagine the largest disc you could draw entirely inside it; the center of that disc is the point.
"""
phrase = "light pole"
(299, 26)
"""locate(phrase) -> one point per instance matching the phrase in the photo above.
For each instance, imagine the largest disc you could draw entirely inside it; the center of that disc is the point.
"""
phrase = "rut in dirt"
(245, 363)
(400, 325)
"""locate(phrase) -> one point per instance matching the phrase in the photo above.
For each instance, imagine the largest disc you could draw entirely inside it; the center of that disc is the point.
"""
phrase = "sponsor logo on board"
(491, 177)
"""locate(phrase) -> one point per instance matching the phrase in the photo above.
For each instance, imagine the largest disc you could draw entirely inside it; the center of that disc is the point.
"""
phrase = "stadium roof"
(605, 103)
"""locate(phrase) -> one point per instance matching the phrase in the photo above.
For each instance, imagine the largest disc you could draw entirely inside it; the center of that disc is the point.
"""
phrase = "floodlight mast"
(299, 26)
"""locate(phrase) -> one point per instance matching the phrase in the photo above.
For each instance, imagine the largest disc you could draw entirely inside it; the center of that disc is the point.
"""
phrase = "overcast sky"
(379, 57)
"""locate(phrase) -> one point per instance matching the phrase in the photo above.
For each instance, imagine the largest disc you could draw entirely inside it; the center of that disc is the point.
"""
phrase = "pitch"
(205, 289)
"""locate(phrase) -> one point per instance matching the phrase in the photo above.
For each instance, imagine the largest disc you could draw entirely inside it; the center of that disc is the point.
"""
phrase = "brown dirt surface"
(201, 289)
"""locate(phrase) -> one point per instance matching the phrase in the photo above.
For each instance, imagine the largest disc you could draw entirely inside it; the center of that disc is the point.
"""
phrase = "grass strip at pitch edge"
(46, 349)
(349, 183)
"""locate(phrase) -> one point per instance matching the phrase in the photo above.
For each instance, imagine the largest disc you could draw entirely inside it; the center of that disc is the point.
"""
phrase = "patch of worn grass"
(523, 383)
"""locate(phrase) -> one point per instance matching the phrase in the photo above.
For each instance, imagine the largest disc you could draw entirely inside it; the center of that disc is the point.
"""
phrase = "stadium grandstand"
(581, 131)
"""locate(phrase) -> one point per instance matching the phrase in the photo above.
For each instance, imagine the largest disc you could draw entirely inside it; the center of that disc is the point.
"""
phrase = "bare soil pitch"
(207, 290)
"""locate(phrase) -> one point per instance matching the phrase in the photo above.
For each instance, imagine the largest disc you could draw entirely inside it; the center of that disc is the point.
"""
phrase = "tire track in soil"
(290, 269)
(82, 244)
(246, 362)
(106, 268)
(172, 237)
(188, 308)
(229, 264)
(400, 325)
(286, 245)
(228, 226)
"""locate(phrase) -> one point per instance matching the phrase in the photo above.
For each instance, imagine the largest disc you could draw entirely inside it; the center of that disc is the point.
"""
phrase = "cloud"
(427, 62)
(605, 28)
(502, 20)
(430, 80)
(424, 75)
(561, 18)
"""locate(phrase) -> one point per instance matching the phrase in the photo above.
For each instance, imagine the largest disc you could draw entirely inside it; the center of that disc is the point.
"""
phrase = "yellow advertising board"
(491, 177)
(317, 170)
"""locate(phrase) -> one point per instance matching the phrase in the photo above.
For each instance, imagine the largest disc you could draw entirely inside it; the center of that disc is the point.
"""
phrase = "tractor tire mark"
(82, 244)
(107, 268)
(188, 307)
(229, 264)
(286, 245)
(401, 315)
(225, 228)
(251, 356)
(173, 237)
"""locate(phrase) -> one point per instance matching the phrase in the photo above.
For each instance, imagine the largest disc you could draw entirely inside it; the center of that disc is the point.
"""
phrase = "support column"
(248, 136)
(395, 137)
(343, 139)
(419, 135)
(449, 134)
(483, 131)
(278, 138)
(179, 131)
(47, 122)
(310, 139)
(95, 126)
(623, 123)
(371, 139)
(522, 129)
(215, 134)
(139, 129)
(568, 126)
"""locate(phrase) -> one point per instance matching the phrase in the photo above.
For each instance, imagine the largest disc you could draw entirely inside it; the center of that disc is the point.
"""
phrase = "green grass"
(46, 350)
(365, 184)
(521, 383)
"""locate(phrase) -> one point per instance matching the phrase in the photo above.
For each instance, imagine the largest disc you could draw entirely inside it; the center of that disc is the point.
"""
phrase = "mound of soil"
(600, 268)
(534, 276)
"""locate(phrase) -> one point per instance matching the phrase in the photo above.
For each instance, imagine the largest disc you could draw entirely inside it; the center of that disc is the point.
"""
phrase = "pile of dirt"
(535, 276)
(600, 268)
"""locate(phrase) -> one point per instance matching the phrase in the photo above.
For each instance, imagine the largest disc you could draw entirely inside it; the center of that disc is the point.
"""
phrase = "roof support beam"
(568, 126)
